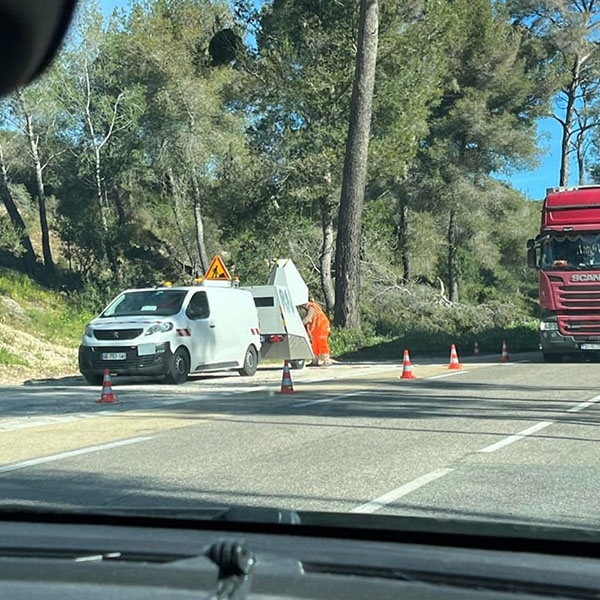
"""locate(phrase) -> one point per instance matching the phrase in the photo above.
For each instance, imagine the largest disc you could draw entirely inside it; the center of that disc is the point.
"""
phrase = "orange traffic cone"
(476, 350)
(107, 396)
(407, 367)
(454, 364)
(505, 356)
(287, 387)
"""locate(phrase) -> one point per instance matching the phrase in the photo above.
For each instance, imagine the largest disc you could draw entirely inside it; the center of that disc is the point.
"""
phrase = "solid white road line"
(44, 459)
(511, 439)
(403, 490)
(446, 375)
(585, 404)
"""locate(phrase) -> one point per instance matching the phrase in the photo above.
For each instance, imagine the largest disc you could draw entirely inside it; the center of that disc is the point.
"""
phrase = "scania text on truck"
(567, 255)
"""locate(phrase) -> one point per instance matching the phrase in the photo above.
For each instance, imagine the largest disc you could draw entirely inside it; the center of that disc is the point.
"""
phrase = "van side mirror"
(531, 254)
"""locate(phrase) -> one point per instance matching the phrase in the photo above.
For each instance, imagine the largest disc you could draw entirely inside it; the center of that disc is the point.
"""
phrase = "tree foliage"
(177, 129)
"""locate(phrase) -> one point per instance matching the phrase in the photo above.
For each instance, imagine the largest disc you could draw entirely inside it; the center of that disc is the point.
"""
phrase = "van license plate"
(114, 355)
(590, 346)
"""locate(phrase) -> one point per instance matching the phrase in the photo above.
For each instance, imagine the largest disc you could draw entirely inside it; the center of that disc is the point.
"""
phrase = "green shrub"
(346, 342)
(519, 338)
(53, 315)
(8, 358)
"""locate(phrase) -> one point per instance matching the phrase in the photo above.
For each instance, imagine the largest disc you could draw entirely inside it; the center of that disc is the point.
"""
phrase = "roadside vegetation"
(178, 129)
(39, 329)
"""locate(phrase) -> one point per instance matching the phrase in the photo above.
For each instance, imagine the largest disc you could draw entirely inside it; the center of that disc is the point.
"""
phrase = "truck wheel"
(250, 363)
(93, 379)
(298, 364)
(179, 367)
(552, 358)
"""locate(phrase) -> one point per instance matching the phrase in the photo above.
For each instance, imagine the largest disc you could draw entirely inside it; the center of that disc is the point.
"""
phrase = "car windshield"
(275, 254)
(571, 252)
(163, 303)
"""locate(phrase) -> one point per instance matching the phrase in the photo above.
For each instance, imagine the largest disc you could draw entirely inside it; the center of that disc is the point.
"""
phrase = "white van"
(173, 331)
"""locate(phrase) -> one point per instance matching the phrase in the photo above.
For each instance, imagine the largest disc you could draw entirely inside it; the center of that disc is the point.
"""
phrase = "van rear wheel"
(179, 367)
(250, 363)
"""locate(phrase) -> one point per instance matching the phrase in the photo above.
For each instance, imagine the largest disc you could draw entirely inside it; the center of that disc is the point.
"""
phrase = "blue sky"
(108, 5)
(532, 183)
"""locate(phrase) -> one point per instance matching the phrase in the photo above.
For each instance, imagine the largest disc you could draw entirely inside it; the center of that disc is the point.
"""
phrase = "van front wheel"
(250, 363)
(179, 367)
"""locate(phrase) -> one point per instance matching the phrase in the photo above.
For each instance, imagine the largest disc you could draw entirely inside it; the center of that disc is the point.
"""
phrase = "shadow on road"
(379, 398)
(68, 488)
(53, 488)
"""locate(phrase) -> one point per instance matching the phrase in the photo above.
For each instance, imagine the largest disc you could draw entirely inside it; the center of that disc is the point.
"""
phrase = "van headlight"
(89, 331)
(549, 325)
(159, 328)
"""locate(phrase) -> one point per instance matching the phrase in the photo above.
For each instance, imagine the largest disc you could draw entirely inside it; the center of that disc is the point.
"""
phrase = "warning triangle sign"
(217, 270)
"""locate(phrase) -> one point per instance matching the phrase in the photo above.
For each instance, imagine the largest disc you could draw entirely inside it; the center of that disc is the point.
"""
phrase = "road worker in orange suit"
(317, 327)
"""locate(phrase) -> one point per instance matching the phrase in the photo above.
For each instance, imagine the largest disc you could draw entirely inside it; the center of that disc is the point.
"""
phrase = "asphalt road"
(512, 441)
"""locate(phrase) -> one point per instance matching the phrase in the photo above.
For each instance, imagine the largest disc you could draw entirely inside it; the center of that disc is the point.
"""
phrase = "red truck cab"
(567, 255)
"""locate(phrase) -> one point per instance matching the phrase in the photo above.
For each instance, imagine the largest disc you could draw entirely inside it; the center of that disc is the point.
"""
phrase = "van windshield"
(162, 303)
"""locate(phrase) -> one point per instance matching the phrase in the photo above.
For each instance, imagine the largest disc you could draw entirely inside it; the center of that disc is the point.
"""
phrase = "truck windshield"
(571, 252)
(162, 303)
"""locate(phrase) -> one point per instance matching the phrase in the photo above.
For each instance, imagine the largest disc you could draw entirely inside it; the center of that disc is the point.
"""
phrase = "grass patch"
(8, 358)
(65, 324)
(21, 288)
(54, 316)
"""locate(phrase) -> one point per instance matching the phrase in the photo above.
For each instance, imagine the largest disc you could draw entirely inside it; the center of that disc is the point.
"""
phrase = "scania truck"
(567, 255)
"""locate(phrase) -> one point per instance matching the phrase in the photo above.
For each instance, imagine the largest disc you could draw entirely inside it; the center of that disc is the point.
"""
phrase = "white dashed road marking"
(403, 490)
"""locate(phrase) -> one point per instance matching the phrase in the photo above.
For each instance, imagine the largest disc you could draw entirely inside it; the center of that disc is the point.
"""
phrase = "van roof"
(181, 288)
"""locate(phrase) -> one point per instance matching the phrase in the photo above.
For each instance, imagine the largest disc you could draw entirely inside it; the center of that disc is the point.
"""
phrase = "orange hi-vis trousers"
(318, 330)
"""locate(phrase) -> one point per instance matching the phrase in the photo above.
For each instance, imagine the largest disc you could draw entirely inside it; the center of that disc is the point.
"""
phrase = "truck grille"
(117, 334)
(571, 325)
(581, 296)
(580, 326)
(579, 310)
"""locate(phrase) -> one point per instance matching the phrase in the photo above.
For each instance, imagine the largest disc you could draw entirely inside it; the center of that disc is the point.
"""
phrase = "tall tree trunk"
(29, 257)
(96, 147)
(327, 253)
(39, 183)
(579, 142)
(403, 240)
(103, 209)
(116, 194)
(98, 181)
(176, 206)
(452, 260)
(202, 255)
(347, 281)
(567, 124)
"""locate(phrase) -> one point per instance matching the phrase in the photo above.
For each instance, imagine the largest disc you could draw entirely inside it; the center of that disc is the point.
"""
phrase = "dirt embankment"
(25, 352)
